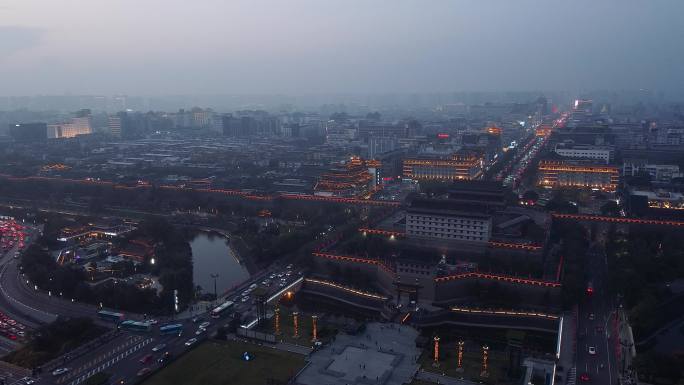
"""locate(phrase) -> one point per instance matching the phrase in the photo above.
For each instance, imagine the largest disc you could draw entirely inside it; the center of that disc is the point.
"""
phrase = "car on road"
(245, 299)
(158, 347)
(153, 322)
(190, 342)
(146, 359)
(59, 371)
(592, 350)
(200, 331)
(204, 325)
(143, 371)
(27, 381)
(585, 377)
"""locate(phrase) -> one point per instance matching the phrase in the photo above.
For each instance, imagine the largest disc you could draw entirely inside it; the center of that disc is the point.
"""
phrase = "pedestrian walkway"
(285, 346)
(572, 376)
(440, 379)
(299, 349)
(567, 341)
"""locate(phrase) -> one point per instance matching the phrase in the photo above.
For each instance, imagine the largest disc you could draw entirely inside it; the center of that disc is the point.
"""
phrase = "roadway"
(123, 355)
(594, 325)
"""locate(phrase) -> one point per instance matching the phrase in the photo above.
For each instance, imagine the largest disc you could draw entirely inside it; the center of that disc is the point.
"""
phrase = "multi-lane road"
(596, 314)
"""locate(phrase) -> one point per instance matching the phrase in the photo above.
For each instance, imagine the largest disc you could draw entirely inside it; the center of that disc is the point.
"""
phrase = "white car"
(158, 347)
(204, 325)
(60, 371)
(592, 350)
(190, 341)
(200, 331)
(27, 381)
(245, 299)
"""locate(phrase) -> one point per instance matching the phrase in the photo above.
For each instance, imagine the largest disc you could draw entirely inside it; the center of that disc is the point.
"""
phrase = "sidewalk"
(439, 379)
(288, 347)
(568, 345)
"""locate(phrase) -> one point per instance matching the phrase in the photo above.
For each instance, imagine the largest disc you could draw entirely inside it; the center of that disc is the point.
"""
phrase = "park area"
(219, 362)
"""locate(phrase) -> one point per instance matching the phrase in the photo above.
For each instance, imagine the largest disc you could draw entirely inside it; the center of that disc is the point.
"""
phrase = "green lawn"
(221, 363)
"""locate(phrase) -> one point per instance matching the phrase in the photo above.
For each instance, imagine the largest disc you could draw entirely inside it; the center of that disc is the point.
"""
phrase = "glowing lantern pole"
(435, 363)
(295, 320)
(277, 320)
(459, 363)
(314, 328)
(485, 361)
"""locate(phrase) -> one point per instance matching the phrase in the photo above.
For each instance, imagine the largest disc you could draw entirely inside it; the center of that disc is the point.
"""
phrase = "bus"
(135, 326)
(222, 309)
(171, 329)
(110, 316)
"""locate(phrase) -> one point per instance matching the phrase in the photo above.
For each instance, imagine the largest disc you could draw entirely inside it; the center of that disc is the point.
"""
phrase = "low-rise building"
(658, 172)
(603, 154)
(465, 165)
(577, 174)
(447, 220)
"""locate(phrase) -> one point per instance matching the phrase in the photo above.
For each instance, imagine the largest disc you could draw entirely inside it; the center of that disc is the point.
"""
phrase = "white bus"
(222, 309)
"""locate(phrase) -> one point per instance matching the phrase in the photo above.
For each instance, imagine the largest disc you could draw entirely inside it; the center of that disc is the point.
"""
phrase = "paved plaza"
(383, 354)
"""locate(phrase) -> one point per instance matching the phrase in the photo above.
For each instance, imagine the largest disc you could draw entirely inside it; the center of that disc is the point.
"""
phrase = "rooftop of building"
(448, 207)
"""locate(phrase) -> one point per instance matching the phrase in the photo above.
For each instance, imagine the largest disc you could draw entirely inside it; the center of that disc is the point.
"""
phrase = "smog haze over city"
(314, 192)
(305, 46)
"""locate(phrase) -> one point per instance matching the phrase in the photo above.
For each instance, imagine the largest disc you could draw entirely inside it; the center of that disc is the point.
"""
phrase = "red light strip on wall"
(504, 312)
(598, 218)
(504, 278)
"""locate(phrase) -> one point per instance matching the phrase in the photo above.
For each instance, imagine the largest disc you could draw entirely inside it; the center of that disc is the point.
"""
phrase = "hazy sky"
(154, 47)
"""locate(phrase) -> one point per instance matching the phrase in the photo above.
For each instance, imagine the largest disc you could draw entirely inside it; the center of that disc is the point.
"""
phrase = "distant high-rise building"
(79, 125)
(201, 118)
(380, 145)
(231, 126)
(28, 132)
(114, 123)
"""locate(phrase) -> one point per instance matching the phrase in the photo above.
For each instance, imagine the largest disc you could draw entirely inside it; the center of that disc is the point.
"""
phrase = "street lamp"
(214, 276)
